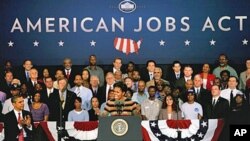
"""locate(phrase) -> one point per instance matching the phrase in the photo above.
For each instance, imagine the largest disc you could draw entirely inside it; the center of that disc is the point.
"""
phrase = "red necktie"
(20, 136)
(67, 74)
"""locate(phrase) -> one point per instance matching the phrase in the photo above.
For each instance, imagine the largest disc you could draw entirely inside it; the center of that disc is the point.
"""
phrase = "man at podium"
(120, 105)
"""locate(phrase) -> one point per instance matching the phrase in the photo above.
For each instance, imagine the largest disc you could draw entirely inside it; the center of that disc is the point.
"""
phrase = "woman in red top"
(207, 77)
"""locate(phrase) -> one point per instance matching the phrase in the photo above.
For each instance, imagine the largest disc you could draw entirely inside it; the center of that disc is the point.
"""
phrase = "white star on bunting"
(162, 43)
(244, 42)
(212, 42)
(60, 43)
(200, 135)
(92, 43)
(158, 135)
(187, 42)
(35, 43)
(10, 44)
(153, 124)
(204, 123)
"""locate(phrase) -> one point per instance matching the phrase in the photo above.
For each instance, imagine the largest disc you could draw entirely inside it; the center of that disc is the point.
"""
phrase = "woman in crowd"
(169, 109)
(129, 70)
(207, 77)
(86, 78)
(120, 105)
(45, 73)
(94, 112)
(39, 110)
(78, 114)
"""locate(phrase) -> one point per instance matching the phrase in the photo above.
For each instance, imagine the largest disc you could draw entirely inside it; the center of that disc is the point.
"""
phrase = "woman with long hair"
(86, 78)
(39, 110)
(169, 109)
(94, 112)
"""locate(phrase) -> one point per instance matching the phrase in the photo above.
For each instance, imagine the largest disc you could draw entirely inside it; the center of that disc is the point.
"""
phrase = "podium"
(119, 128)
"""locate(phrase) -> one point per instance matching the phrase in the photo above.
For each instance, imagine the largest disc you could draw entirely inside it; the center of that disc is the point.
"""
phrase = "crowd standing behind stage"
(182, 94)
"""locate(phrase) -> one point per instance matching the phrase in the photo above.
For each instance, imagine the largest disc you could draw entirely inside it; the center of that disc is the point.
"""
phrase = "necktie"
(20, 136)
(67, 74)
(50, 91)
(62, 100)
(231, 97)
(27, 76)
(177, 76)
(151, 76)
(213, 103)
(95, 92)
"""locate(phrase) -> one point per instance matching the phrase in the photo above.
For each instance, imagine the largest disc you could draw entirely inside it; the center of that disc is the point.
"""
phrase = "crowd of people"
(71, 95)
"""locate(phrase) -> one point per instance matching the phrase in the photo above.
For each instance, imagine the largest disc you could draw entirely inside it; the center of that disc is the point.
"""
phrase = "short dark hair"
(176, 62)
(121, 85)
(225, 71)
(14, 98)
(151, 87)
(79, 99)
(150, 61)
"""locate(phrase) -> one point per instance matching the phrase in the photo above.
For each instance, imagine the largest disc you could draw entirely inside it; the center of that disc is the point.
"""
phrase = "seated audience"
(78, 114)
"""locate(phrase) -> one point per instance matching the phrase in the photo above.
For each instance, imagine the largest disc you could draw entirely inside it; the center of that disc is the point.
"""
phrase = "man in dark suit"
(217, 107)
(24, 74)
(110, 81)
(68, 71)
(175, 73)
(94, 86)
(67, 98)
(50, 96)
(148, 74)
(180, 83)
(6, 83)
(202, 95)
(18, 123)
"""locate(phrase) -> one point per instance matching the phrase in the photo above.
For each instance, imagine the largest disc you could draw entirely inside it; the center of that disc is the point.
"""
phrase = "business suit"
(4, 87)
(21, 75)
(145, 75)
(180, 83)
(203, 96)
(72, 75)
(171, 77)
(11, 126)
(69, 104)
(53, 103)
(220, 110)
(102, 94)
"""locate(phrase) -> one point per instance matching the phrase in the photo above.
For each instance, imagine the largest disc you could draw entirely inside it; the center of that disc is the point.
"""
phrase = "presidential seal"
(119, 127)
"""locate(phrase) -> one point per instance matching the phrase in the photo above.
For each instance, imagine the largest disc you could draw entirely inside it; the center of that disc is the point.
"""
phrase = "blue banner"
(194, 32)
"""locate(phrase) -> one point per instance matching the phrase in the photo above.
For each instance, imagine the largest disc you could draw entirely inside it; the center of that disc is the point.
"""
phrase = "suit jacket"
(5, 88)
(11, 126)
(210, 80)
(145, 75)
(53, 103)
(220, 110)
(171, 77)
(30, 87)
(180, 83)
(102, 96)
(69, 104)
(203, 97)
(72, 75)
(21, 75)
